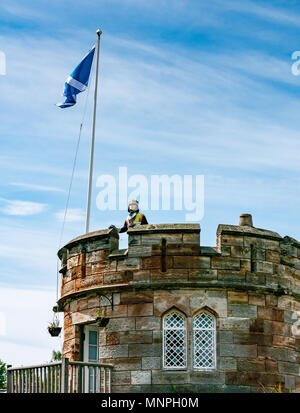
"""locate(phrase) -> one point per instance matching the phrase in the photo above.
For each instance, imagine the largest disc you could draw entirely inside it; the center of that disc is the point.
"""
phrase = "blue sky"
(186, 87)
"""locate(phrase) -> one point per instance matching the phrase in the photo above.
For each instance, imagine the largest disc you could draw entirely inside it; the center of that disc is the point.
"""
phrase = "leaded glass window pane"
(204, 340)
(174, 335)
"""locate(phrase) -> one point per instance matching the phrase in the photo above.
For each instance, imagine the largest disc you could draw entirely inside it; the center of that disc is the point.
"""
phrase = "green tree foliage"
(56, 356)
(2, 375)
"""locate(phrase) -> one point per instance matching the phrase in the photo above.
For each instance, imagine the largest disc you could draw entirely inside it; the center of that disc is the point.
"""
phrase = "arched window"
(204, 341)
(174, 340)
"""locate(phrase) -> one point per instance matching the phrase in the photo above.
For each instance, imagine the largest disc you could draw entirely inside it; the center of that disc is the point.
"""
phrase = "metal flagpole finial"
(99, 32)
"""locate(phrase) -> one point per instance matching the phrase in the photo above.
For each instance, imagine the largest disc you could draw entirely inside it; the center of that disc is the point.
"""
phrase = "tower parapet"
(249, 284)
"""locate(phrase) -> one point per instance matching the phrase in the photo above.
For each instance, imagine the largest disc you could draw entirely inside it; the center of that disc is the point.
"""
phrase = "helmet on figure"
(133, 206)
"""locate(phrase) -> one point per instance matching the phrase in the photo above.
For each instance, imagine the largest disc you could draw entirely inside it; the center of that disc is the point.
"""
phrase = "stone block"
(214, 300)
(127, 363)
(271, 301)
(238, 277)
(288, 368)
(121, 378)
(116, 351)
(170, 377)
(264, 267)
(121, 324)
(277, 328)
(139, 251)
(118, 311)
(236, 240)
(237, 297)
(145, 350)
(141, 276)
(127, 337)
(256, 279)
(142, 309)
(251, 365)
(141, 377)
(227, 363)
(225, 263)
(274, 353)
(207, 377)
(148, 323)
(238, 350)
(136, 297)
(273, 256)
(256, 299)
(234, 323)
(113, 278)
(224, 336)
(191, 262)
(151, 363)
(269, 313)
(165, 300)
(238, 251)
(112, 338)
(242, 310)
(290, 383)
(202, 275)
(252, 338)
(170, 275)
(283, 341)
(271, 366)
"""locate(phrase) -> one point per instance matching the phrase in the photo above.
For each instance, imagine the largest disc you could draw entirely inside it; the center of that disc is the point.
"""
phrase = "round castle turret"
(180, 317)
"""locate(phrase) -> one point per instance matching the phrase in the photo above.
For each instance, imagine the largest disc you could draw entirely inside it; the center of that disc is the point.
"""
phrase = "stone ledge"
(103, 233)
(248, 231)
(165, 228)
(219, 285)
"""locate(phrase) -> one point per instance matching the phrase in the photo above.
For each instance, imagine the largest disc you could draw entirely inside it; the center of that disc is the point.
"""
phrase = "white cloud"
(27, 313)
(21, 208)
(37, 187)
(73, 215)
(2, 324)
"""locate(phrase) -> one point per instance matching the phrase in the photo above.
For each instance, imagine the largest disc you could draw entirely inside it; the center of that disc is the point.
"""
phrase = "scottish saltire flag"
(78, 80)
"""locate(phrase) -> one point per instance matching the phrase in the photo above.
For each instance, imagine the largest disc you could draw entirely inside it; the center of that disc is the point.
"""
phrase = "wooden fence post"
(9, 387)
(64, 375)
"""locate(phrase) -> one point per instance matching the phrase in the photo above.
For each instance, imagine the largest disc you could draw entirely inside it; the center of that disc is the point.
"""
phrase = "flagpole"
(88, 210)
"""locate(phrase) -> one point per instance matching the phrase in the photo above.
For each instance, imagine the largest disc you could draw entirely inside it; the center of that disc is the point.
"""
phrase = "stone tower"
(180, 317)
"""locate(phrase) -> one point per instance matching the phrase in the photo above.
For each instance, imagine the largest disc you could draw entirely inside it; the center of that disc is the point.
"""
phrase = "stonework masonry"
(250, 281)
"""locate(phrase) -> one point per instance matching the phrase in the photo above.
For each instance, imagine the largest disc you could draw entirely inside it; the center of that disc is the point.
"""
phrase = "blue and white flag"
(78, 80)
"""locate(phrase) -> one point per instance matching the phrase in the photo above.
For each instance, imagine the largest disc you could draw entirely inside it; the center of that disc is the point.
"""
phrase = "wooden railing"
(60, 377)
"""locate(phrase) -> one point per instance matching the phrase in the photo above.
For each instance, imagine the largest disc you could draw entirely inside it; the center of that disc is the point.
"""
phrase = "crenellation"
(249, 282)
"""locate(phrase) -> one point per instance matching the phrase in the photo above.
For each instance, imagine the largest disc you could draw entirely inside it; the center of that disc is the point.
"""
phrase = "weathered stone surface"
(141, 377)
(255, 299)
(228, 363)
(238, 350)
(242, 310)
(191, 262)
(151, 363)
(170, 377)
(255, 342)
(114, 351)
(148, 323)
(127, 337)
(112, 338)
(127, 363)
(288, 368)
(121, 324)
(140, 309)
(136, 297)
(268, 313)
(237, 297)
(234, 323)
(225, 336)
(144, 350)
(226, 263)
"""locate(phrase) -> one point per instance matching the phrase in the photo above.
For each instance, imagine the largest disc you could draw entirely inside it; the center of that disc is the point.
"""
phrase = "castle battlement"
(249, 282)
